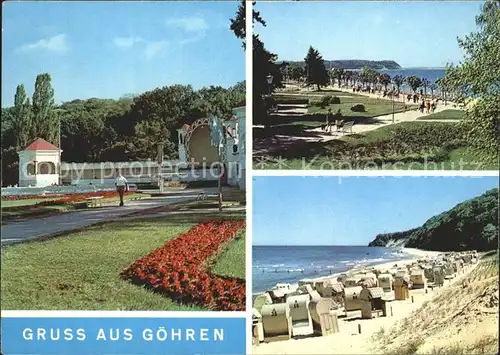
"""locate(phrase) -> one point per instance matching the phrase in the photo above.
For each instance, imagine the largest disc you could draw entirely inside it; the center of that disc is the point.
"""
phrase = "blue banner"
(127, 336)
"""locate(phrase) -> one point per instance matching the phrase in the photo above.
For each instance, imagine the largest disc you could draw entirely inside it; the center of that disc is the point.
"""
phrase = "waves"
(291, 264)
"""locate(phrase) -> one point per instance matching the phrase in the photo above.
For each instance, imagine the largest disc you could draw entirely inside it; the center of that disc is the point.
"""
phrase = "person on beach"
(422, 106)
(121, 185)
(433, 106)
(428, 107)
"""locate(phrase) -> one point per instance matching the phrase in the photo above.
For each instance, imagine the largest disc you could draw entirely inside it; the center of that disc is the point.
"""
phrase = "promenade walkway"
(18, 232)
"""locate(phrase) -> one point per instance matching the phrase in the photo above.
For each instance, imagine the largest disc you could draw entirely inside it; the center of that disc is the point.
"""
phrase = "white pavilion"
(38, 164)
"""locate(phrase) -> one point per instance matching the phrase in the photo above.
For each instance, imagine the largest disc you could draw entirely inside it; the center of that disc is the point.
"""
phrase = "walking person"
(121, 185)
(329, 119)
(339, 123)
(422, 106)
(428, 106)
(433, 106)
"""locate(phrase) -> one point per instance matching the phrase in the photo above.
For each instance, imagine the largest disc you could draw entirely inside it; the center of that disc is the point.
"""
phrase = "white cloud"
(192, 39)
(189, 24)
(153, 48)
(57, 44)
(127, 42)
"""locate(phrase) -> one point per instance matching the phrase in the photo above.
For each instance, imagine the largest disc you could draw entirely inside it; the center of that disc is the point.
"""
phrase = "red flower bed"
(80, 197)
(65, 198)
(178, 268)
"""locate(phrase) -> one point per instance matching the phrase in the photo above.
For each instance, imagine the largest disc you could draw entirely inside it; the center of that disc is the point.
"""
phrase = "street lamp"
(269, 79)
(392, 99)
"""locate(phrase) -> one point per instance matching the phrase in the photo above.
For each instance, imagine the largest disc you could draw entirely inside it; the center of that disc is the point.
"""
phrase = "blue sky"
(414, 33)
(107, 50)
(292, 210)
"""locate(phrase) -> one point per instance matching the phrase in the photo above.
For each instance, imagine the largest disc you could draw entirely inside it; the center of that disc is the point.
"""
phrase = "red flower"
(178, 268)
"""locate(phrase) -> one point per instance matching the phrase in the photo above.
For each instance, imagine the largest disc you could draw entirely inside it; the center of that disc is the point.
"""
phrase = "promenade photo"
(375, 265)
(376, 85)
(123, 156)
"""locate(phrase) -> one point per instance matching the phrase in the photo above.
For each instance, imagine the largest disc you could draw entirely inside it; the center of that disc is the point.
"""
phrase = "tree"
(217, 101)
(425, 85)
(433, 87)
(173, 106)
(315, 69)
(339, 74)
(44, 119)
(385, 80)
(398, 80)
(238, 24)
(414, 83)
(21, 123)
(264, 62)
(368, 75)
(478, 76)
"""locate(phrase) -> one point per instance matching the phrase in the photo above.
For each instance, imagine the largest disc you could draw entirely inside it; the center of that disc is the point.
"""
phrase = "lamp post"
(269, 79)
(392, 99)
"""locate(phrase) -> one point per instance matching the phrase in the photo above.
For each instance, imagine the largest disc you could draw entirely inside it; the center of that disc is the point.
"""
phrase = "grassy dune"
(463, 319)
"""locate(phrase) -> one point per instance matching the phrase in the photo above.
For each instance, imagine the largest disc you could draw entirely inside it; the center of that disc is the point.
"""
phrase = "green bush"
(325, 100)
(358, 108)
(335, 100)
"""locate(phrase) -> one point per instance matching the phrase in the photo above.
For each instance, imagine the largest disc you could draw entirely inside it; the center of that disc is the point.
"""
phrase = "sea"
(289, 264)
(430, 74)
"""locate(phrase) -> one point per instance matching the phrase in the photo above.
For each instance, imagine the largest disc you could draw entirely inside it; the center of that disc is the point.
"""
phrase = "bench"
(204, 196)
(93, 201)
(347, 127)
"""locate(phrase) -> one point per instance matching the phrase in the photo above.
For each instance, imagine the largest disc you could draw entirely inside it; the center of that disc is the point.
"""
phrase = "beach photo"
(385, 85)
(375, 265)
(123, 156)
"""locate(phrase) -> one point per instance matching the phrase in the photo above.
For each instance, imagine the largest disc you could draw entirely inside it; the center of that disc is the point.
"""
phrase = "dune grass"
(81, 271)
(447, 310)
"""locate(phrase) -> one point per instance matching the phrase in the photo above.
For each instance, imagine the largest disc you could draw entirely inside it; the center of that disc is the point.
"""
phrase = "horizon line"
(314, 245)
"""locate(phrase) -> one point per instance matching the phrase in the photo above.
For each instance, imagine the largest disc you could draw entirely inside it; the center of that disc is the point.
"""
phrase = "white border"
(379, 173)
(121, 314)
(249, 168)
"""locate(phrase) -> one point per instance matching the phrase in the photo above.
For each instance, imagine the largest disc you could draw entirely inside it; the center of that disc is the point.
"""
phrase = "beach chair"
(276, 322)
(324, 320)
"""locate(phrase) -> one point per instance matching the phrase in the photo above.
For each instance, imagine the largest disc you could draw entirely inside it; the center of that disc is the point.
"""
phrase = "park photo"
(375, 265)
(123, 156)
(387, 85)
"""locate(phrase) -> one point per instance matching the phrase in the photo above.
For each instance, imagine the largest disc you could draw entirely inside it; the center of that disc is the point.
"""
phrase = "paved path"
(385, 120)
(16, 232)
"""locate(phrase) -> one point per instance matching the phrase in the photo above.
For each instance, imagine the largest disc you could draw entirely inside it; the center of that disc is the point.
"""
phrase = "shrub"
(358, 108)
(325, 100)
(335, 100)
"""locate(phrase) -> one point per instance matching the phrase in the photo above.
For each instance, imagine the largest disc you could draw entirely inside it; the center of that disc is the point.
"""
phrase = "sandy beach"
(436, 319)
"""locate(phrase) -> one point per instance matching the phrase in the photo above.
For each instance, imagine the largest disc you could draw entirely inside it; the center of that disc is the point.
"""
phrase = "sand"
(349, 341)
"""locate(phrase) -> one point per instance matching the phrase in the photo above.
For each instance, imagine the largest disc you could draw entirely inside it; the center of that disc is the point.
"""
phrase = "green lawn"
(18, 203)
(81, 270)
(402, 146)
(231, 261)
(446, 115)
(374, 107)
